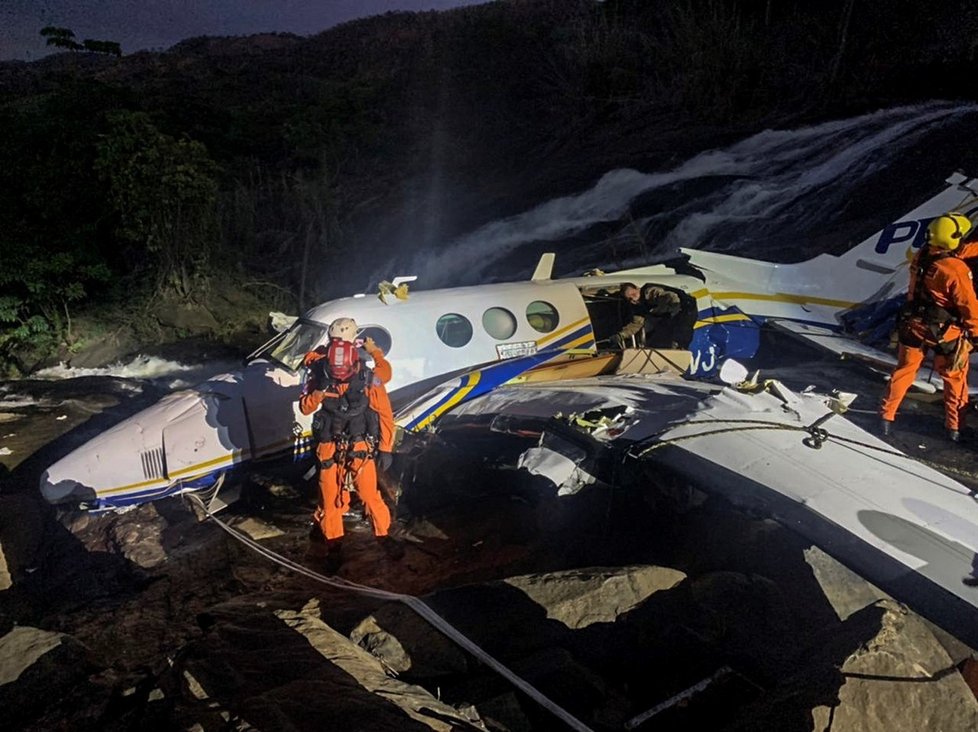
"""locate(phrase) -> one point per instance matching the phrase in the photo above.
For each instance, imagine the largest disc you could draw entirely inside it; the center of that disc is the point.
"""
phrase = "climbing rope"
(416, 604)
(817, 436)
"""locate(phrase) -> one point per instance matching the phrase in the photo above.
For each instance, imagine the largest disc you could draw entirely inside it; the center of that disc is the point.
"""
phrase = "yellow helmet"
(947, 231)
(344, 329)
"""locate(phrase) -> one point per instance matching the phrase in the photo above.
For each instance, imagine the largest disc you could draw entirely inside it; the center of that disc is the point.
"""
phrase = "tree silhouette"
(61, 38)
(65, 38)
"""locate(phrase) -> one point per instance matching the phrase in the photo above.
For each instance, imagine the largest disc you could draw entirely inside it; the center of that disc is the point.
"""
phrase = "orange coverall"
(332, 479)
(948, 281)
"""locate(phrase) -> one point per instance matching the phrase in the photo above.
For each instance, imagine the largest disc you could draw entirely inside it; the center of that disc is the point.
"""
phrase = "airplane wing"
(446, 396)
(904, 526)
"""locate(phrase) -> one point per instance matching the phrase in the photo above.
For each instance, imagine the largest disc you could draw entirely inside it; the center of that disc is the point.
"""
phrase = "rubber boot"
(334, 556)
(886, 427)
(954, 435)
(316, 535)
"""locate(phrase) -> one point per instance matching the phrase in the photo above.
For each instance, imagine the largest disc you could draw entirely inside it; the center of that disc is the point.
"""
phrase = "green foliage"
(52, 244)
(20, 330)
(163, 193)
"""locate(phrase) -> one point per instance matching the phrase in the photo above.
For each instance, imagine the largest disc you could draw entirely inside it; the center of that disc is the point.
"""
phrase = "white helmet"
(344, 329)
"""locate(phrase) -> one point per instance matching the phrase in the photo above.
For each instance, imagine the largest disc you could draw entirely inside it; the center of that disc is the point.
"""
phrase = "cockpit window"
(299, 340)
(542, 316)
(454, 330)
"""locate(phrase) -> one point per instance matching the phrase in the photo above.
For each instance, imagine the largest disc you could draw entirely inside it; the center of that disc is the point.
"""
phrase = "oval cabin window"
(499, 323)
(542, 316)
(454, 330)
(380, 335)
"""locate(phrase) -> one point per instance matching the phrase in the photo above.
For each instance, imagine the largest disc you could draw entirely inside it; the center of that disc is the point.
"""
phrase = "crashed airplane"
(517, 353)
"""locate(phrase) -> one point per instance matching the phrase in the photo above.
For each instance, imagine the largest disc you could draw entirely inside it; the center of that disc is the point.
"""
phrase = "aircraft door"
(271, 404)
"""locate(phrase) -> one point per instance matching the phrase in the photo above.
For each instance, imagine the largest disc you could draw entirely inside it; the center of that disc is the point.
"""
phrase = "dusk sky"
(158, 24)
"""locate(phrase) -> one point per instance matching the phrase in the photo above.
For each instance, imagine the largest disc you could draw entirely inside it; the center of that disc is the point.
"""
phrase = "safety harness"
(921, 322)
(345, 418)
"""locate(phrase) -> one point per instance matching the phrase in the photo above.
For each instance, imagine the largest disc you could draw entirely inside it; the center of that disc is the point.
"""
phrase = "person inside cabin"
(940, 315)
(656, 318)
(354, 426)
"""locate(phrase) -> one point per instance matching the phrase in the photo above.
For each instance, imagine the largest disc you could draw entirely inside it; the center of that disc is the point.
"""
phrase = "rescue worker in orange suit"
(354, 423)
(941, 314)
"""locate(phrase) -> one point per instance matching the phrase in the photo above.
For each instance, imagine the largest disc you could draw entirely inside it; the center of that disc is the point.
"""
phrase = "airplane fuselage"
(459, 343)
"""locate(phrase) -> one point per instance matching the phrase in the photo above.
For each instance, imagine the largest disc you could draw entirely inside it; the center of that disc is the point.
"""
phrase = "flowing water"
(780, 195)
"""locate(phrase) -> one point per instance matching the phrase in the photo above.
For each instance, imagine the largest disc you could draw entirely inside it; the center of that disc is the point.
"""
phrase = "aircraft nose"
(63, 483)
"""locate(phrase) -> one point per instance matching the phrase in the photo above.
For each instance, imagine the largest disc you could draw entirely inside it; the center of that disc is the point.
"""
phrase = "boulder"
(22, 519)
(579, 597)
(881, 669)
(902, 679)
(845, 590)
(138, 536)
(6, 581)
(406, 643)
(368, 671)
(100, 351)
(257, 529)
(39, 669)
(192, 319)
(504, 713)
(281, 668)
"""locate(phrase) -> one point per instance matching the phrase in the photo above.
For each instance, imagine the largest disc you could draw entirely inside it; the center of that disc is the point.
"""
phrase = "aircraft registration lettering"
(914, 231)
(902, 232)
(708, 362)
(516, 350)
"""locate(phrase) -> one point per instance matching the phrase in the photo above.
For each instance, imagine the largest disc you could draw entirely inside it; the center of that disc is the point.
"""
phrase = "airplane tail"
(872, 271)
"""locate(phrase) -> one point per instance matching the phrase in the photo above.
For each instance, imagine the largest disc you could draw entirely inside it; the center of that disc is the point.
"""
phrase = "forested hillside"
(237, 174)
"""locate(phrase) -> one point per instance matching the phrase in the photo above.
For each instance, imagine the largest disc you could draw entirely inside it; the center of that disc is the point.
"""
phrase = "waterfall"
(774, 191)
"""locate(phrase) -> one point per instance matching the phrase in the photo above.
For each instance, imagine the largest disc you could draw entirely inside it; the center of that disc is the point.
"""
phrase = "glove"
(384, 460)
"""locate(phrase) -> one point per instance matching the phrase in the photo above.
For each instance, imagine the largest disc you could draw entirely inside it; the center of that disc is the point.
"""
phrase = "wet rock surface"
(624, 607)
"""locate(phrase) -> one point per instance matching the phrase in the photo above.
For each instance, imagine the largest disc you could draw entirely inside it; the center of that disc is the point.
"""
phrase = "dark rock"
(280, 668)
(101, 351)
(881, 669)
(38, 669)
(191, 319)
(407, 644)
(21, 530)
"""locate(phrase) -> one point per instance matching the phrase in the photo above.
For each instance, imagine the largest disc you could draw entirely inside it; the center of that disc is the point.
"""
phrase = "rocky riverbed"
(625, 609)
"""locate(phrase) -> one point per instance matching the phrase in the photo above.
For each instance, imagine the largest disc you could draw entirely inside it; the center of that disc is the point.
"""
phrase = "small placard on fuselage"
(515, 350)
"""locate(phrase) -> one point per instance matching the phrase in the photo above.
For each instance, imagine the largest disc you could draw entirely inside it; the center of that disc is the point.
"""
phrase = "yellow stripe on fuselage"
(459, 394)
(193, 469)
(200, 468)
(772, 297)
(731, 318)
(558, 333)
(783, 297)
